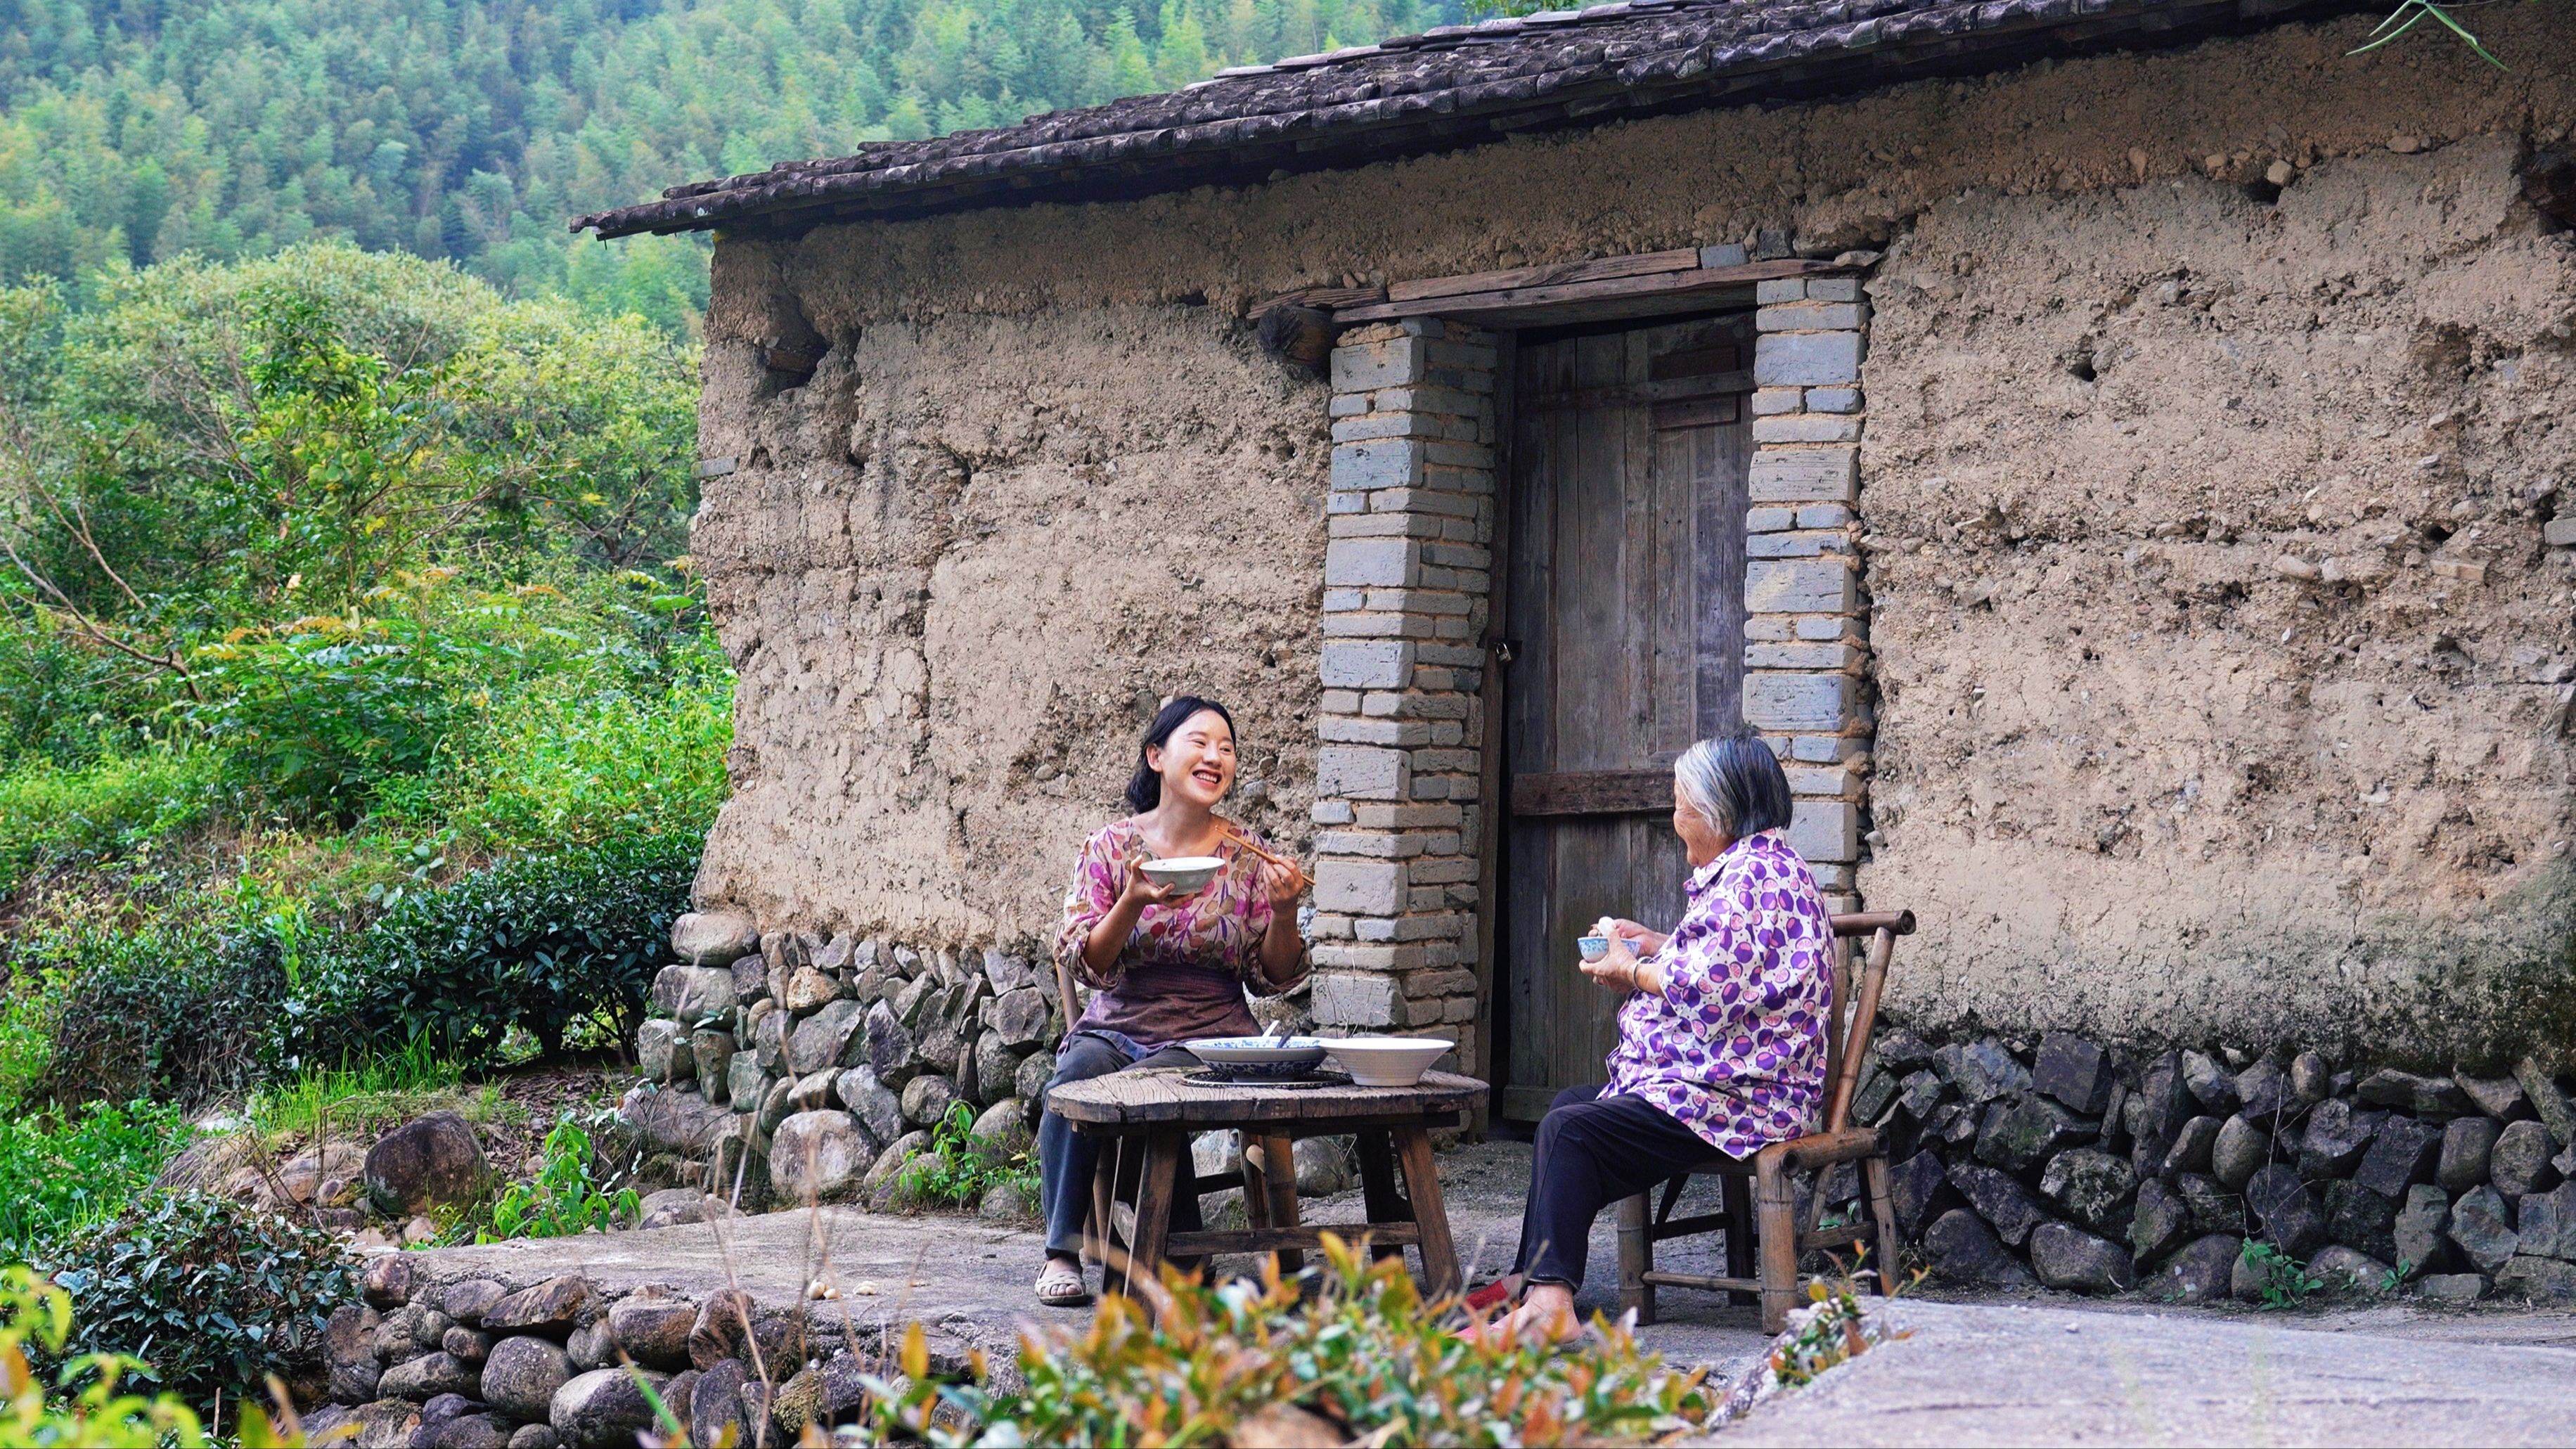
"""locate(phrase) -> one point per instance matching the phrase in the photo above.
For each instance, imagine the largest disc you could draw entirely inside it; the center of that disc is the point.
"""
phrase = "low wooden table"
(1160, 1112)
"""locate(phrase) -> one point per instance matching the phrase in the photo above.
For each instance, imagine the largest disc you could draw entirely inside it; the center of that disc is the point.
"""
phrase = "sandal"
(1060, 1284)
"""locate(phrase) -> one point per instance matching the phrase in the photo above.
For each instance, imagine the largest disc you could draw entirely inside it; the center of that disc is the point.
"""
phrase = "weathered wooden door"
(1624, 605)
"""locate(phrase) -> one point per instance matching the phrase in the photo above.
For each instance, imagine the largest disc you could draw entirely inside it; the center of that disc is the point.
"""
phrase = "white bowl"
(1189, 872)
(1258, 1056)
(1386, 1061)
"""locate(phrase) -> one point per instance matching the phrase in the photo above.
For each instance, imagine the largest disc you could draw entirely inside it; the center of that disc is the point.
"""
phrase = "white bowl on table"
(1386, 1061)
(1189, 873)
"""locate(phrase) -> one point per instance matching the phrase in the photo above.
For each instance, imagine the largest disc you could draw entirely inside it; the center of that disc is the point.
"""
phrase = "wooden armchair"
(1764, 1237)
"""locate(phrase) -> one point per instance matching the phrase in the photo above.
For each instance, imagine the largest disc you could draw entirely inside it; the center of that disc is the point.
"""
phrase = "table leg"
(1422, 1187)
(1279, 1155)
(1163, 1153)
(1377, 1185)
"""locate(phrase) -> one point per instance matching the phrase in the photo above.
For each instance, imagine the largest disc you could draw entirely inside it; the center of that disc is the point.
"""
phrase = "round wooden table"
(1148, 1118)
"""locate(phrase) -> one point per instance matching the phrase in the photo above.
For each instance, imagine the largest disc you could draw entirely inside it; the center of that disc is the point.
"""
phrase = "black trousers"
(1592, 1151)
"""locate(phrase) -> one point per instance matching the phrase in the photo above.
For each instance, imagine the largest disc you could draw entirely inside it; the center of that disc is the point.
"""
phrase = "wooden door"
(1624, 605)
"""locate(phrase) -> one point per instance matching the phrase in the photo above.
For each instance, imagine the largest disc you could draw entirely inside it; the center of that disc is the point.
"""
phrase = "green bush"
(153, 1003)
(572, 1193)
(68, 1170)
(215, 1295)
(544, 942)
(312, 715)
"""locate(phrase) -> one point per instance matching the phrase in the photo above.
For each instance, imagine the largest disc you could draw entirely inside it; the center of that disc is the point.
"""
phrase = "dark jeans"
(1066, 1158)
(1592, 1151)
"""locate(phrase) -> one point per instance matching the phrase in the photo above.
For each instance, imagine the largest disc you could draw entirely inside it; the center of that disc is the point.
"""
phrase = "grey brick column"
(1406, 577)
(1805, 635)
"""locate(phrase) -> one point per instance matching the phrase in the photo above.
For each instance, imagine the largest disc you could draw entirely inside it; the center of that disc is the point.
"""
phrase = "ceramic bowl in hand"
(1258, 1058)
(1186, 873)
(1592, 947)
(1386, 1061)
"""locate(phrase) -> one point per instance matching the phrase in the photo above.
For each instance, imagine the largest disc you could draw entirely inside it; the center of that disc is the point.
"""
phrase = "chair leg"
(1738, 1197)
(1636, 1259)
(1776, 1239)
(1882, 1209)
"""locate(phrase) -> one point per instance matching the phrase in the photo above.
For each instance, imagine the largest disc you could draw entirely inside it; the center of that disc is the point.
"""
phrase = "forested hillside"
(133, 131)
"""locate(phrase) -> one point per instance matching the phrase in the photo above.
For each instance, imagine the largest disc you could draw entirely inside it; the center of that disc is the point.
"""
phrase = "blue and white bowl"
(1592, 947)
(1258, 1058)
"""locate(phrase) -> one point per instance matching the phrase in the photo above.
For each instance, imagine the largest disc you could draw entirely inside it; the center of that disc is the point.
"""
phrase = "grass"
(65, 1171)
(354, 1101)
(111, 806)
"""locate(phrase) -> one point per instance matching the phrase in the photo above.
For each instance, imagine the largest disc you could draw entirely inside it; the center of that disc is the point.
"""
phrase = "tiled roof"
(1445, 88)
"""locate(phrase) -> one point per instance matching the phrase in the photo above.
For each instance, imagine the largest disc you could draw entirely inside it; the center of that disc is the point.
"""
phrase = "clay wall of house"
(2242, 360)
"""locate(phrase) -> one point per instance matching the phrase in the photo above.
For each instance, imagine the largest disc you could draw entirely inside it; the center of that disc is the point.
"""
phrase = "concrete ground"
(2065, 1372)
(2033, 1368)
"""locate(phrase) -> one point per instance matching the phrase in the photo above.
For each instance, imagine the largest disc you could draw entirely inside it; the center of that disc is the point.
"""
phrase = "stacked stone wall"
(812, 1068)
(536, 1363)
(2062, 1164)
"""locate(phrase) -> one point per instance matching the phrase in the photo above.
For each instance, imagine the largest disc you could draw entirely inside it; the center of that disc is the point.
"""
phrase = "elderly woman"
(1722, 1037)
(1168, 966)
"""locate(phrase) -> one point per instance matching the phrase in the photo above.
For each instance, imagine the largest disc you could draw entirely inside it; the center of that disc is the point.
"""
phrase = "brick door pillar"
(1805, 631)
(1407, 572)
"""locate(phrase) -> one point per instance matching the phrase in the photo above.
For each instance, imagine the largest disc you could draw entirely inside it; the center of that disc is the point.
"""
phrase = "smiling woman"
(1170, 949)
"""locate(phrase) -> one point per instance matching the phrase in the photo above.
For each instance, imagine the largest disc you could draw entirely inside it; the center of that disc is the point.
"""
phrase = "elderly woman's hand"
(1638, 939)
(1620, 969)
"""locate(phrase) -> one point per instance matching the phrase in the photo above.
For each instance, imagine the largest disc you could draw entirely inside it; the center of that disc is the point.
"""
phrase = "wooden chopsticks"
(1241, 839)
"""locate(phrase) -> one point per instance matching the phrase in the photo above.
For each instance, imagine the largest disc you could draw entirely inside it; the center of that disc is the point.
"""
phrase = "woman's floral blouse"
(1184, 967)
(1734, 1048)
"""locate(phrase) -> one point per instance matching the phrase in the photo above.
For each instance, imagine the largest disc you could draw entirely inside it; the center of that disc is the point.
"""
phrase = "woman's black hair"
(1145, 787)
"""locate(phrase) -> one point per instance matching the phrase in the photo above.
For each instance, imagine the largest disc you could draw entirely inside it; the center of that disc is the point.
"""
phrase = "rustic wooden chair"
(1268, 1196)
(1764, 1237)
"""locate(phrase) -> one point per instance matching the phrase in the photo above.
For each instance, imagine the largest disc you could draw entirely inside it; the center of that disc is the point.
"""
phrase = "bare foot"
(1546, 1315)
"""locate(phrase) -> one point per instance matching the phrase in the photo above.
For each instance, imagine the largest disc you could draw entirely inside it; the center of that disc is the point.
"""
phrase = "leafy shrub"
(155, 1003)
(35, 1321)
(67, 1171)
(960, 1167)
(544, 942)
(571, 761)
(215, 1295)
(571, 1193)
(312, 715)
(1367, 1353)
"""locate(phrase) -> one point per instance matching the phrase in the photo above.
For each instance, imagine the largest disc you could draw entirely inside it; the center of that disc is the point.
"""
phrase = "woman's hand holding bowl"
(1640, 941)
(1142, 891)
(1618, 967)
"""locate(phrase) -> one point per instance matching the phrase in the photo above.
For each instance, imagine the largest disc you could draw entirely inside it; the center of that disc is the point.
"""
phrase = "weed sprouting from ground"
(960, 1167)
(571, 1193)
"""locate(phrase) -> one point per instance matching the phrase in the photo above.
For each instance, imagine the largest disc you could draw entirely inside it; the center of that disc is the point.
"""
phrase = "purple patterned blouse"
(1734, 1048)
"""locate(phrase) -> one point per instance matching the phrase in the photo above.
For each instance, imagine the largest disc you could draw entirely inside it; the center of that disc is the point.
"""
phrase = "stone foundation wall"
(2056, 1162)
(811, 1068)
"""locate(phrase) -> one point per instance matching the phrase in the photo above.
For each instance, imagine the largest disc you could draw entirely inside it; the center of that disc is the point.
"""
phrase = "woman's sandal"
(1060, 1285)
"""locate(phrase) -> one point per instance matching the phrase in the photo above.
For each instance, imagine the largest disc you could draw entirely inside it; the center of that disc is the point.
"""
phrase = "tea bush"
(215, 1295)
(546, 942)
(154, 1003)
(35, 1322)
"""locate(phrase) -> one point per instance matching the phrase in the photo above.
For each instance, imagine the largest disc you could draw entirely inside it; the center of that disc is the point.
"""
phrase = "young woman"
(1166, 966)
